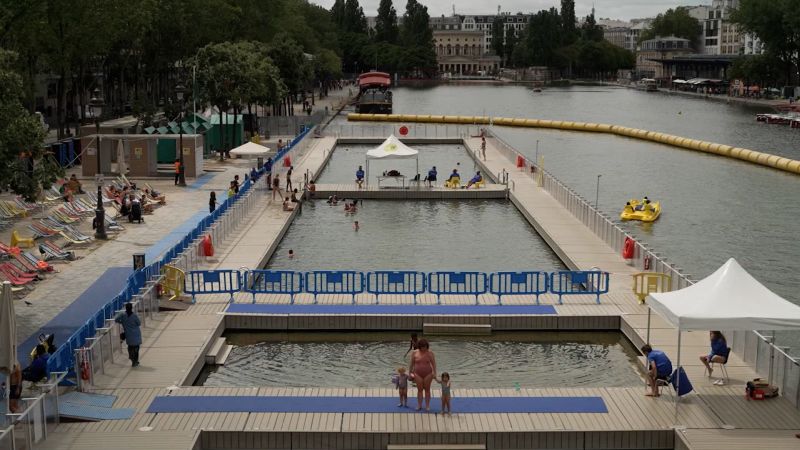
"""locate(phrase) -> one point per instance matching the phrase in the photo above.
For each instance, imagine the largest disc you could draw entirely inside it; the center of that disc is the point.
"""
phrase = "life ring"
(84, 367)
(627, 249)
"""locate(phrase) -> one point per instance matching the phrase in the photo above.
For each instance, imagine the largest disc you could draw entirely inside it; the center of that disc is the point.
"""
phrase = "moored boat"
(374, 95)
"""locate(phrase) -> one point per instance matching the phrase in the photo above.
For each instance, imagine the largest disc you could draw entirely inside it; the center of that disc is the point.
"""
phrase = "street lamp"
(96, 103)
(179, 91)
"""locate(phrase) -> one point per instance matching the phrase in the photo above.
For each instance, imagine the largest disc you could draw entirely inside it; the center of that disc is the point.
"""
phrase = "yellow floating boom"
(743, 154)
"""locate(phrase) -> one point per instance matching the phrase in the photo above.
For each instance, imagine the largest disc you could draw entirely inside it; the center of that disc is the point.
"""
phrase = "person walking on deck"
(132, 332)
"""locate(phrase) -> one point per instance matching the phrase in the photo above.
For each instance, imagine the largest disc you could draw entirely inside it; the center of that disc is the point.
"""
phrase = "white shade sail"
(392, 148)
(250, 149)
(728, 299)
(8, 329)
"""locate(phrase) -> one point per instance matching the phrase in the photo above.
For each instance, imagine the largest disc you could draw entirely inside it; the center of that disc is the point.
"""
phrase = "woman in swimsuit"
(423, 367)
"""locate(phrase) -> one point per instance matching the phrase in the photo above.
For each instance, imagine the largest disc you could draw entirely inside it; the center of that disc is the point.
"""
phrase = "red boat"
(374, 95)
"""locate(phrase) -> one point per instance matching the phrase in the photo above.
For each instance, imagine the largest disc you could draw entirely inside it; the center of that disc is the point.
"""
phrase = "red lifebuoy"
(520, 161)
(287, 161)
(403, 130)
(84, 367)
(208, 246)
(627, 249)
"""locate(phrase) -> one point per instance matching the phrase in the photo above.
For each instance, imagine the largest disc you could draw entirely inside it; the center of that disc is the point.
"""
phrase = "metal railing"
(414, 130)
(38, 417)
(753, 346)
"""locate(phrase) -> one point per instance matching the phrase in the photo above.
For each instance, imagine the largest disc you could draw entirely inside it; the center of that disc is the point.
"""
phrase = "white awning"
(392, 148)
(250, 149)
(728, 299)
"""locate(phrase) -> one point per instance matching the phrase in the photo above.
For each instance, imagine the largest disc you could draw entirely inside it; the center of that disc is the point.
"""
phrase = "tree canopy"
(777, 24)
(674, 22)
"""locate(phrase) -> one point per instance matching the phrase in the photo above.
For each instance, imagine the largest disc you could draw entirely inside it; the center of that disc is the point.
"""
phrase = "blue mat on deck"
(173, 237)
(90, 412)
(187, 404)
(83, 398)
(261, 308)
(74, 316)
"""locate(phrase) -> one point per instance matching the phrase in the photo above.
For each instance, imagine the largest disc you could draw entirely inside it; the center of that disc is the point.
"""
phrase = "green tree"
(498, 37)
(511, 42)
(24, 167)
(763, 70)
(386, 29)
(417, 38)
(674, 22)
(777, 25)
(590, 30)
(354, 20)
(568, 21)
(543, 36)
(337, 13)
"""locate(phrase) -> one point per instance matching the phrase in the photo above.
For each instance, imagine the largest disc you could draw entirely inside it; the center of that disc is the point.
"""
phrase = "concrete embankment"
(742, 154)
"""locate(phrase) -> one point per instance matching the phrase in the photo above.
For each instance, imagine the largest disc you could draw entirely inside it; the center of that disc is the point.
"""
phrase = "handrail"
(610, 232)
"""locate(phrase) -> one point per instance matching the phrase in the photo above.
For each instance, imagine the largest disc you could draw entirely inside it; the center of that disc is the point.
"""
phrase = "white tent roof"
(728, 299)
(392, 148)
(250, 149)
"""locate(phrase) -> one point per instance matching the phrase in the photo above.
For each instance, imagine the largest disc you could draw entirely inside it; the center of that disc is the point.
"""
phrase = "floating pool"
(481, 235)
(346, 158)
(502, 360)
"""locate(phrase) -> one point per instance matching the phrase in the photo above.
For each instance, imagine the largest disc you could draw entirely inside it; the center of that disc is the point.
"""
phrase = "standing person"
(289, 179)
(659, 367)
(268, 170)
(235, 184)
(177, 171)
(356, 226)
(276, 186)
(719, 351)
(483, 148)
(400, 380)
(212, 202)
(231, 190)
(445, 382)
(132, 332)
(423, 369)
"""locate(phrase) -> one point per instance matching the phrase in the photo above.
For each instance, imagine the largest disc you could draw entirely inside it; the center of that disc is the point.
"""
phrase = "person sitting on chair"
(37, 371)
(659, 367)
(719, 351)
(455, 178)
(431, 178)
(476, 179)
(360, 177)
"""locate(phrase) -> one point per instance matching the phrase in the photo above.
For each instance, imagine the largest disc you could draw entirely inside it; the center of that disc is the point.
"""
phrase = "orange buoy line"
(742, 154)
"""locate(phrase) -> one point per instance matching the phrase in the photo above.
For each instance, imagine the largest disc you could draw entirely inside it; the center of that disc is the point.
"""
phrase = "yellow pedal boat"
(631, 213)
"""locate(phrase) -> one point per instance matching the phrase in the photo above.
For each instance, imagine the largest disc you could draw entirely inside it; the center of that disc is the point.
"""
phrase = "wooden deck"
(389, 190)
(175, 344)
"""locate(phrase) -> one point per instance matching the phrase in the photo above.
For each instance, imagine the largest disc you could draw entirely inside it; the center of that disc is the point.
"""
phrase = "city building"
(518, 22)
(614, 31)
(461, 52)
(720, 36)
(632, 35)
(652, 53)
(751, 44)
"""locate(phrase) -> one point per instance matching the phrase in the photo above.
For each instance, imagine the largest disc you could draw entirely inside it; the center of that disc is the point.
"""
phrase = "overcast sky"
(614, 9)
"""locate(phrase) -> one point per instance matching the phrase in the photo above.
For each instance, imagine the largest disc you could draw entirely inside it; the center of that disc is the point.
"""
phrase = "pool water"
(481, 235)
(367, 360)
(344, 162)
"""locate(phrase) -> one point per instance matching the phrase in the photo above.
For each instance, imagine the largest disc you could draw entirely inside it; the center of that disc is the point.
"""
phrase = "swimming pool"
(502, 360)
(481, 235)
(344, 162)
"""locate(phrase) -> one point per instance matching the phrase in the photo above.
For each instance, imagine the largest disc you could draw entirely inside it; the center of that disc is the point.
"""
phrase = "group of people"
(644, 205)
(422, 372)
(659, 366)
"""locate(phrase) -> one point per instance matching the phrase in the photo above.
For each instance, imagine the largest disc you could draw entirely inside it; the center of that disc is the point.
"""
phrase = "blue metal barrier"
(579, 283)
(334, 282)
(396, 282)
(456, 283)
(518, 283)
(213, 282)
(273, 282)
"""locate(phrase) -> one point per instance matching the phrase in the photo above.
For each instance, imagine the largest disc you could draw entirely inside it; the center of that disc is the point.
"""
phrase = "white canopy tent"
(250, 150)
(392, 148)
(728, 299)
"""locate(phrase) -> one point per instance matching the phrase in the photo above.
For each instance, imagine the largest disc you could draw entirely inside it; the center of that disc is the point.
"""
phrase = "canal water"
(502, 360)
(480, 235)
(713, 208)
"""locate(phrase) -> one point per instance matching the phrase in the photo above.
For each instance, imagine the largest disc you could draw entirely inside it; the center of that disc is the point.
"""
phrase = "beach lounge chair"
(113, 225)
(10, 272)
(50, 252)
(51, 224)
(41, 231)
(19, 241)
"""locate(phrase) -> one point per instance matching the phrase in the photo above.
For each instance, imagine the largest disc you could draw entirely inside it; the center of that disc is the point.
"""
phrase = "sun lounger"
(113, 225)
(16, 285)
(41, 231)
(51, 252)
(9, 271)
(51, 224)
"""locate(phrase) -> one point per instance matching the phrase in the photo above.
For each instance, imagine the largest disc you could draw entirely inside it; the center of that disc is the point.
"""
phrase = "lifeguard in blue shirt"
(719, 351)
(360, 176)
(659, 367)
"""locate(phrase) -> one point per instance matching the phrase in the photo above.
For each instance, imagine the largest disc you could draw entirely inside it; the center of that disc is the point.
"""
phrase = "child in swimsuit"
(445, 382)
(400, 380)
